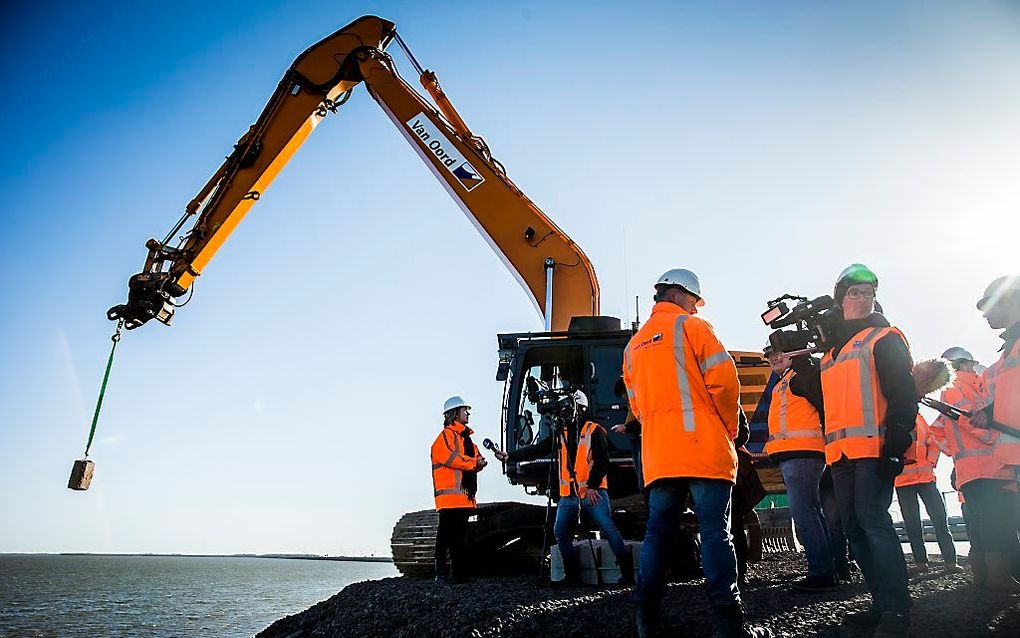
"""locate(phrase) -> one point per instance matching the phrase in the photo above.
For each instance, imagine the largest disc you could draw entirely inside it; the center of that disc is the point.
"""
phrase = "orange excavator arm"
(553, 270)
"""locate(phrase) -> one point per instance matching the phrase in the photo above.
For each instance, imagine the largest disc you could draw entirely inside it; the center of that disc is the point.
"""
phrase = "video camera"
(555, 402)
(813, 320)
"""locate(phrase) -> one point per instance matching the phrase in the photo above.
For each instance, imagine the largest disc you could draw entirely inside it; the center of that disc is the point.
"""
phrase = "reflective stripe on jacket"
(972, 449)
(1002, 381)
(794, 424)
(683, 388)
(921, 458)
(582, 462)
(449, 462)
(854, 404)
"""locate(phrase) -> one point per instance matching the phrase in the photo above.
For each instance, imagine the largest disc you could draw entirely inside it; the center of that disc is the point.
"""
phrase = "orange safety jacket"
(1002, 380)
(854, 404)
(582, 463)
(683, 388)
(786, 410)
(921, 459)
(972, 449)
(449, 462)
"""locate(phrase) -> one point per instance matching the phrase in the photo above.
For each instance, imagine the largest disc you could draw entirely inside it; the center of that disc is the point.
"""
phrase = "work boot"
(1000, 573)
(729, 623)
(816, 584)
(919, 568)
(571, 573)
(978, 569)
(952, 567)
(441, 571)
(865, 619)
(647, 619)
(626, 563)
(893, 624)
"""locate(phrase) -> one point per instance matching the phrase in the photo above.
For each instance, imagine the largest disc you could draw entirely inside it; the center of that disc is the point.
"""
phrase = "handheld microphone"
(489, 445)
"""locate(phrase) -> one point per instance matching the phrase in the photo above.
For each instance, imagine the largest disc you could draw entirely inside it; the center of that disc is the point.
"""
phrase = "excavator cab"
(588, 356)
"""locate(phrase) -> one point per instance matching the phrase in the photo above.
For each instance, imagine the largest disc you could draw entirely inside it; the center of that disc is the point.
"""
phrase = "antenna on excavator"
(637, 314)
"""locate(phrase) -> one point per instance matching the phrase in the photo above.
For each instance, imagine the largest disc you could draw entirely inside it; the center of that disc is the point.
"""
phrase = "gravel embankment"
(944, 606)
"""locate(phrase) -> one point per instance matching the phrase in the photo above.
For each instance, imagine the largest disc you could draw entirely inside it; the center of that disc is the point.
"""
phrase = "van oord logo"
(440, 146)
(648, 342)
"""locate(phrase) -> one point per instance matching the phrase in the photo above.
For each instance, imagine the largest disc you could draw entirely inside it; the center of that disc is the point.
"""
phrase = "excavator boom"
(553, 270)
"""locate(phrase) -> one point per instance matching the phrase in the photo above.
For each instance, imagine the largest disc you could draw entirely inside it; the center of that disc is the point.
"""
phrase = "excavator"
(578, 348)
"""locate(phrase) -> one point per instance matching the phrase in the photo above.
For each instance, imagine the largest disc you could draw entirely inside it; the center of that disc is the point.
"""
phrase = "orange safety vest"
(972, 449)
(786, 408)
(582, 462)
(921, 458)
(854, 404)
(449, 462)
(1002, 381)
(683, 388)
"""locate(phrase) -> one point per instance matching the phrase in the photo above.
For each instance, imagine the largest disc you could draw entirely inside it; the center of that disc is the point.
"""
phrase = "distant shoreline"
(353, 559)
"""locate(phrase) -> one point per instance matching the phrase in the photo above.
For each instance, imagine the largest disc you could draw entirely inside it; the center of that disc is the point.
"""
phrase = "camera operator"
(683, 388)
(795, 443)
(870, 406)
(455, 466)
(583, 465)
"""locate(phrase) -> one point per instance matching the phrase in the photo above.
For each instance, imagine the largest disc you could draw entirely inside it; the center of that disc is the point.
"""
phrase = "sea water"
(95, 596)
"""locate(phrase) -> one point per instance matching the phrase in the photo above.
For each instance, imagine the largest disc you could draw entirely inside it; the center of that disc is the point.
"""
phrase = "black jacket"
(894, 367)
(544, 448)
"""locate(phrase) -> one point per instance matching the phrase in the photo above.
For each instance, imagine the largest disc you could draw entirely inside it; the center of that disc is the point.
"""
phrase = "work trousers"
(864, 493)
(936, 509)
(837, 537)
(801, 477)
(991, 515)
(712, 503)
(600, 514)
(452, 536)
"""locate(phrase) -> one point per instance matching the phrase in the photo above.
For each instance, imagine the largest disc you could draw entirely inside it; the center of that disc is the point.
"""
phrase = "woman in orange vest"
(795, 443)
(984, 480)
(583, 462)
(1001, 307)
(455, 466)
(918, 481)
(870, 403)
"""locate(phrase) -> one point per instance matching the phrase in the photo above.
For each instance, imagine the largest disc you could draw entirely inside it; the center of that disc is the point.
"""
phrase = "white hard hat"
(997, 289)
(957, 353)
(453, 403)
(580, 398)
(683, 278)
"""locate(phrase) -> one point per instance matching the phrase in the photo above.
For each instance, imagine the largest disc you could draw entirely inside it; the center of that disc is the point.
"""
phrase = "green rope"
(102, 390)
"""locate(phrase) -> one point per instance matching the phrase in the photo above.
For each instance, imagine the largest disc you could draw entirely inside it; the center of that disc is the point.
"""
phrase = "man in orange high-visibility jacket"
(984, 480)
(918, 481)
(583, 463)
(870, 405)
(1001, 307)
(455, 466)
(683, 388)
(795, 443)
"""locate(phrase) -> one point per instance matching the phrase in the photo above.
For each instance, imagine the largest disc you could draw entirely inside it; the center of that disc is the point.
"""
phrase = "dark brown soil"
(944, 606)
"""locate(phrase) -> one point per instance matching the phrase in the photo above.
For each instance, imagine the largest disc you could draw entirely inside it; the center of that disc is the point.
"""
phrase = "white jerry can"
(598, 563)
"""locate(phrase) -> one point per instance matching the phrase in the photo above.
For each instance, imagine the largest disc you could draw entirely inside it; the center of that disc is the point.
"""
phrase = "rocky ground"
(944, 605)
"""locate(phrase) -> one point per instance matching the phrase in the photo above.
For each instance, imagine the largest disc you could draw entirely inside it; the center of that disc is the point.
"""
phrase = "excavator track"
(503, 538)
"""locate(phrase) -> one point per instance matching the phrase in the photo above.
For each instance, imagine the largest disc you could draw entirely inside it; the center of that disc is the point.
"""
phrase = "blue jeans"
(864, 493)
(801, 477)
(600, 514)
(666, 502)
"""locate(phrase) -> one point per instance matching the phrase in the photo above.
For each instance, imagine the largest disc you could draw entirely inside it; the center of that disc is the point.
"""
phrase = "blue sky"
(291, 405)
